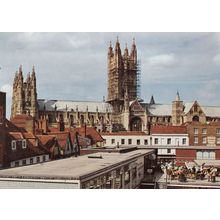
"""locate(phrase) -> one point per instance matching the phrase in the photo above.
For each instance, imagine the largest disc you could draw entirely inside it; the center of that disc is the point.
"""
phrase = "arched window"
(61, 118)
(92, 119)
(136, 124)
(195, 118)
(81, 119)
(50, 118)
(71, 120)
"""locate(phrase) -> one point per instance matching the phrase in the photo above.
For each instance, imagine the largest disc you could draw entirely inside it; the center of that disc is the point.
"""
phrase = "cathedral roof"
(166, 109)
(82, 106)
(160, 109)
(211, 111)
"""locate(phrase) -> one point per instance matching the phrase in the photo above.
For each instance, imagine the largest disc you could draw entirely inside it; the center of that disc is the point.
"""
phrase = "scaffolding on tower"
(138, 79)
(133, 81)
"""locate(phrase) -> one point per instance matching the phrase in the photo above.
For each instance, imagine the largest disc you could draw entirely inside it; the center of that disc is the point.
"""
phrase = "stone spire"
(126, 54)
(20, 73)
(110, 50)
(177, 96)
(33, 74)
(117, 46)
(152, 102)
(133, 51)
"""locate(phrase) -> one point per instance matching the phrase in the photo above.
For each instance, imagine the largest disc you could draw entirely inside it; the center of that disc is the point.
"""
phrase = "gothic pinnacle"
(33, 69)
(20, 69)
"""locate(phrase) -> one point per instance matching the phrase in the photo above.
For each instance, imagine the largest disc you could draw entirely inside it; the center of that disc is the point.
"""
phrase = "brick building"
(2, 126)
(204, 142)
(204, 134)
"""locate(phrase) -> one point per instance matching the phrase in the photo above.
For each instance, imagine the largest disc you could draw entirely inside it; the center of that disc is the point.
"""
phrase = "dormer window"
(24, 144)
(13, 145)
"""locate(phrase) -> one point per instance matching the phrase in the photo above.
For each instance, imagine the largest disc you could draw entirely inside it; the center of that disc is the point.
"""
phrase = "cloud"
(8, 89)
(74, 65)
(208, 90)
(164, 60)
(216, 59)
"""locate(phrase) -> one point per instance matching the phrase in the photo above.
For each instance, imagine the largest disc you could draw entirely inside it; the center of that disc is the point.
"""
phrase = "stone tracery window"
(195, 118)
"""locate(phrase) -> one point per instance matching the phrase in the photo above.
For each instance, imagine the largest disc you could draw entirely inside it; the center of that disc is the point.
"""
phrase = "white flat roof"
(73, 167)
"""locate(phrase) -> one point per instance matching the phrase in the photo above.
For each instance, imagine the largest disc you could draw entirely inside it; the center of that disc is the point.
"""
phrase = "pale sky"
(73, 66)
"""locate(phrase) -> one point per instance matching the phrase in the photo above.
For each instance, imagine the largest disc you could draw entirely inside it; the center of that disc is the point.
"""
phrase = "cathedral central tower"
(122, 75)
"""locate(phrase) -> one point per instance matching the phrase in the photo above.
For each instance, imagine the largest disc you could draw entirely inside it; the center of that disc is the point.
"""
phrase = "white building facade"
(126, 139)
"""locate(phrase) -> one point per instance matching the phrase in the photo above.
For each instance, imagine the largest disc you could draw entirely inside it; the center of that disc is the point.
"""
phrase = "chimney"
(30, 125)
(45, 125)
(84, 130)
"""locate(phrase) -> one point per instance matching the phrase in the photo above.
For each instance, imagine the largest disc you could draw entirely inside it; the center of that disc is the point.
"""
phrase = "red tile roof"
(62, 139)
(90, 133)
(16, 135)
(45, 139)
(160, 129)
(31, 149)
(124, 133)
(28, 135)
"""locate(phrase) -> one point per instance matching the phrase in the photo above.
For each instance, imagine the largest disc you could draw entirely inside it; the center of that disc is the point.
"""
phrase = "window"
(31, 161)
(145, 142)
(104, 141)
(196, 130)
(168, 151)
(218, 140)
(217, 130)
(168, 140)
(44, 158)
(17, 163)
(196, 140)
(113, 141)
(38, 159)
(13, 145)
(204, 131)
(129, 141)
(138, 142)
(204, 140)
(184, 141)
(205, 154)
(195, 118)
(24, 144)
(156, 141)
(122, 141)
(23, 162)
(127, 177)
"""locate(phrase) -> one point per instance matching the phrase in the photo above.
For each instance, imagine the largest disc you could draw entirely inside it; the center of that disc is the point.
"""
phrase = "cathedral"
(124, 110)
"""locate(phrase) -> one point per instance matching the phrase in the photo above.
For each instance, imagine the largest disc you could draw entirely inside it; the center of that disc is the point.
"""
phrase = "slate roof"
(211, 111)
(82, 105)
(166, 109)
(153, 109)
(160, 109)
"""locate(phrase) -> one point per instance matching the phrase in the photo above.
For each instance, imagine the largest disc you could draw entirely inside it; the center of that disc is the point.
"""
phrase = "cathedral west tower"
(24, 97)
